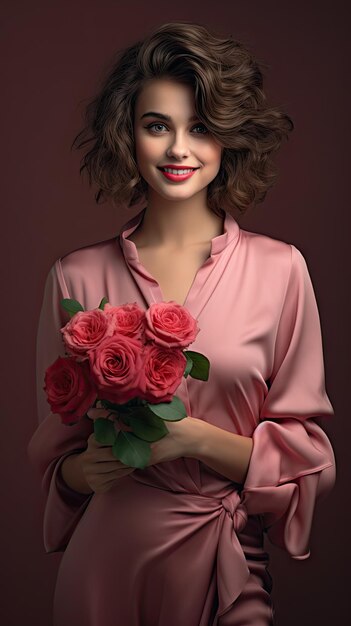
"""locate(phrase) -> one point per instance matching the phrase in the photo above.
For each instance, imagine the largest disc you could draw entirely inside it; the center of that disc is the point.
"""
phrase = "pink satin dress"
(178, 543)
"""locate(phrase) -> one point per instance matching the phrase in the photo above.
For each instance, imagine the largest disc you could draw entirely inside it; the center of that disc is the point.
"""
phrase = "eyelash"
(160, 124)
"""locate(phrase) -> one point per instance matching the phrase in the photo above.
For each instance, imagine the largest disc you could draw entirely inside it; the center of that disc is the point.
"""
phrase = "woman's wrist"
(196, 438)
(227, 453)
(72, 474)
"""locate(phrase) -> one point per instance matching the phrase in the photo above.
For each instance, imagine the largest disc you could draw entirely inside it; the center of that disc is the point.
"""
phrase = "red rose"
(170, 325)
(69, 389)
(85, 331)
(128, 319)
(116, 365)
(162, 373)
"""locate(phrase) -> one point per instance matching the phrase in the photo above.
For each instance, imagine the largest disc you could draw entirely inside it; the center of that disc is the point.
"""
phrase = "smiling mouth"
(171, 170)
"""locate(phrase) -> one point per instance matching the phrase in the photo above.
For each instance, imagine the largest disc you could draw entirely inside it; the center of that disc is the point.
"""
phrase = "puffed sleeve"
(292, 462)
(53, 441)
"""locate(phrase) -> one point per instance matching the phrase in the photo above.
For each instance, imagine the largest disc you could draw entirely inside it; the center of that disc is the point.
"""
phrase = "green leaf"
(201, 366)
(131, 450)
(102, 303)
(170, 411)
(189, 365)
(147, 426)
(72, 306)
(104, 431)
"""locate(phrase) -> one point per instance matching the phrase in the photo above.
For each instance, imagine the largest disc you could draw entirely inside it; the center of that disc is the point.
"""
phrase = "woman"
(183, 122)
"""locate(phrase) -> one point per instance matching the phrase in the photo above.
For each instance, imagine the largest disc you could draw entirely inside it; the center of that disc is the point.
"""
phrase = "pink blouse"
(260, 329)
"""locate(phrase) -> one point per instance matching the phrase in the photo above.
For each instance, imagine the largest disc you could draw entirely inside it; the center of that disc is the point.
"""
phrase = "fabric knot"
(236, 510)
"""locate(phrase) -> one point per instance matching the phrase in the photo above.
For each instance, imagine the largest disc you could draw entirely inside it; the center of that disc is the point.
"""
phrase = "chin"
(186, 195)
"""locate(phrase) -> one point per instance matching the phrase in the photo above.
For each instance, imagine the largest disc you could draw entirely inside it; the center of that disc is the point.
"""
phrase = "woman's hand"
(100, 467)
(182, 440)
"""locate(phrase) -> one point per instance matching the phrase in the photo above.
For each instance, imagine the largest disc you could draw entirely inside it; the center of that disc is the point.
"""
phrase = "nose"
(179, 147)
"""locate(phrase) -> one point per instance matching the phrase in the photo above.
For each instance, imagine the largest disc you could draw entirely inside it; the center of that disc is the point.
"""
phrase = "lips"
(176, 167)
(178, 177)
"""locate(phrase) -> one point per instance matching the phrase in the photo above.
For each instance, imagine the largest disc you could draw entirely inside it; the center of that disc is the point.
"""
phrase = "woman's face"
(166, 135)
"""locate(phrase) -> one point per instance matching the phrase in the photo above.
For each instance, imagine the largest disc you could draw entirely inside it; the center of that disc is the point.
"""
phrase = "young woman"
(182, 122)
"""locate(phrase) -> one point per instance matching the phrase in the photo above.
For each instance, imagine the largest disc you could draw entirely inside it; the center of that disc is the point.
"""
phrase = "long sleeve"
(292, 462)
(52, 441)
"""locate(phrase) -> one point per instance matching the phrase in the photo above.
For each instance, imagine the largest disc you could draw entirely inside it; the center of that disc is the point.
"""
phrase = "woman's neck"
(175, 225)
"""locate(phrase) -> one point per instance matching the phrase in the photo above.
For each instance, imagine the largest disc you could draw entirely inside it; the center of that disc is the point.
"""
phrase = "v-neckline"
(158, 286)
(151, 289)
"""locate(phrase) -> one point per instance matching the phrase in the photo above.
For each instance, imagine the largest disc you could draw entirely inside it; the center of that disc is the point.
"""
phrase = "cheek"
(217, 154)
(212, 154)
(146, 152)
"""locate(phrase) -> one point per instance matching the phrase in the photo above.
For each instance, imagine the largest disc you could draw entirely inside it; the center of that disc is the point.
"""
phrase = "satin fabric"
(177, 542)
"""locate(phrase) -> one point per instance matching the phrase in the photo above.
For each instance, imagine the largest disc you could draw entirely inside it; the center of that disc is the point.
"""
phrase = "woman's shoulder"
(81, 269)
(90, 255)
(272, 258)
(267, 249)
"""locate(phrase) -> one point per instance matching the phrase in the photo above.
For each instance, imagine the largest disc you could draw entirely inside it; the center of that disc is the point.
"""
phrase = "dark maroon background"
(53, 55)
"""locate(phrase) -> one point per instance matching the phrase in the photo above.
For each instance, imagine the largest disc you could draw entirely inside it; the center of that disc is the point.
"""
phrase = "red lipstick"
(177, 177)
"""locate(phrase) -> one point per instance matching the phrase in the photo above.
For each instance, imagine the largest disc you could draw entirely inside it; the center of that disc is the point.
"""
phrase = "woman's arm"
(226, 453)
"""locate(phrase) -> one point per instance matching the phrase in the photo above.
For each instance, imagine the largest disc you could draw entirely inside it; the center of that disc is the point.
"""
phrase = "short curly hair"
(229, 99)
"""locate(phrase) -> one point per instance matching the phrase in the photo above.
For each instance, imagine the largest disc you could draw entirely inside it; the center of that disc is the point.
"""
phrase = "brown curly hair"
(229, 99)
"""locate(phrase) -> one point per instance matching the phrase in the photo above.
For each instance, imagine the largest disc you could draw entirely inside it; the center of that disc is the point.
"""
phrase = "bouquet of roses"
(129, 362)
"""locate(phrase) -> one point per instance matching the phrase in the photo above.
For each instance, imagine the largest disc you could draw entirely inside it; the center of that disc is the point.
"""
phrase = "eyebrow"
(162, 116)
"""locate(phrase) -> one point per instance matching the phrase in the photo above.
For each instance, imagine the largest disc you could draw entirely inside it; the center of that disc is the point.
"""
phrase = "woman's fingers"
(99, 453)
(106, 467)
(105, 480)
(94, 413)
(100, 467)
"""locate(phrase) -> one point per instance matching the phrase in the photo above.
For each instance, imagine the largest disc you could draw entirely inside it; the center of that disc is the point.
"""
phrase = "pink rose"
(128, 319)
(170, 325)
(69, 389)
(116, 365)
(162, 373)
(85, 331)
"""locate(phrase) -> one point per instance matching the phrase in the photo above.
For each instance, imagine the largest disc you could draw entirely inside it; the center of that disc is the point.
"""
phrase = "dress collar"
(218, 244)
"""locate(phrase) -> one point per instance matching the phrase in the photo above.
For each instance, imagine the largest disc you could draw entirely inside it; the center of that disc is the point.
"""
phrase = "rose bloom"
(116, 365)
(128, 319)
(85, 331)
(69, 389)
(162, 373)
(170, 325)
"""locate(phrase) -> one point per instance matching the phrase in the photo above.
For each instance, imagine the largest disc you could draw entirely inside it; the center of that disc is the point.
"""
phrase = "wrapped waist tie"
(232, 568)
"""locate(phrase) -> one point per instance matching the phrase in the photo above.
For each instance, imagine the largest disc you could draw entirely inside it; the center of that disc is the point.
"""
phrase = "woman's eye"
(201, 126)
(159, 125)
(155, 124)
